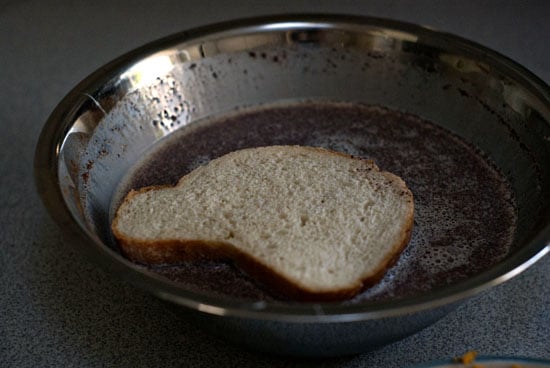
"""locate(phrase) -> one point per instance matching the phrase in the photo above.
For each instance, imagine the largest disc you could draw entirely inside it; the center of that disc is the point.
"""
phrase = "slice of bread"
(313, 224)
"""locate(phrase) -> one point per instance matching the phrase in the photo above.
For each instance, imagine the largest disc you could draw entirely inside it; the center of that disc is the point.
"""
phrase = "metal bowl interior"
(102, 128)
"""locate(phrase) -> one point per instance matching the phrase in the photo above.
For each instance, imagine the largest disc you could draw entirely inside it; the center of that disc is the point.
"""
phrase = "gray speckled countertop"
(57, 309)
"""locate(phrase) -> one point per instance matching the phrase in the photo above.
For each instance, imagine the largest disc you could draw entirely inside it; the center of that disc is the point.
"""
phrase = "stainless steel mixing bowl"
(105, 124)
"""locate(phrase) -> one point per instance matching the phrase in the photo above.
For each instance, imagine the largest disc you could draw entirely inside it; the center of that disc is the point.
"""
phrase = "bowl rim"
(58, 124)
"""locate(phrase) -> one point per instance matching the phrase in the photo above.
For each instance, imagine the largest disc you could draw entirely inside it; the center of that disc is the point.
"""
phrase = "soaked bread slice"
(312, 224)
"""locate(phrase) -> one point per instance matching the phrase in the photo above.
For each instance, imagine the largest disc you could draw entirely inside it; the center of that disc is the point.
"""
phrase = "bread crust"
(173, 251)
